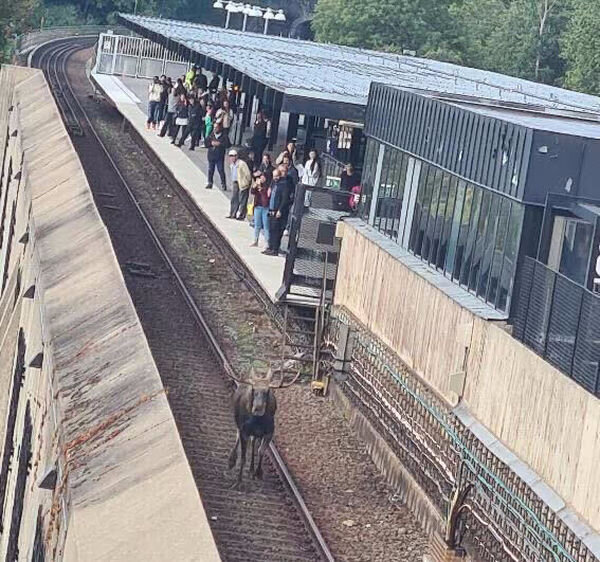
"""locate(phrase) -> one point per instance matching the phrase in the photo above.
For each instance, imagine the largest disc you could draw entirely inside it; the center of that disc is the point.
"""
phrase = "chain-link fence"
(503, 519)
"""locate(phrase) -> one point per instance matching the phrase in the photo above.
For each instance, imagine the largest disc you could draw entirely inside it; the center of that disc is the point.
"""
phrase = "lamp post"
(232, 7)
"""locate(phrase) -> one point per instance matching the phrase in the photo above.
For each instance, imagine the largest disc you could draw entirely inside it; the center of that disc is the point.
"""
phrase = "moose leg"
(261, 451)
(243, 444)
(233, 454)
(252, 452)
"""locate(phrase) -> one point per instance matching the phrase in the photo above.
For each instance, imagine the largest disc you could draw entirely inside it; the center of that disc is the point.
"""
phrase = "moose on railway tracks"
(254, 407)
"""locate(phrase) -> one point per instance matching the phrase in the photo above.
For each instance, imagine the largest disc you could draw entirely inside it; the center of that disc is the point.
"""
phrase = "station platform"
(129, 96)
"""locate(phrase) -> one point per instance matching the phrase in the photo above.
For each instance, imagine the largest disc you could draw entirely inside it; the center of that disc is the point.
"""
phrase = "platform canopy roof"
(336, 74)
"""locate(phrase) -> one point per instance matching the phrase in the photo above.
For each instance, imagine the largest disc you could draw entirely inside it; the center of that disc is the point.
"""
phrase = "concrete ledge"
(100, 419)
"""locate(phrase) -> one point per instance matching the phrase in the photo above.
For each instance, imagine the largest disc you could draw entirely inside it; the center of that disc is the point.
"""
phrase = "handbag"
(181, 121)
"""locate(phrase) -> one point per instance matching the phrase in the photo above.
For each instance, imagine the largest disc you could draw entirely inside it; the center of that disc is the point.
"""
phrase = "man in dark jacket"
(279, 205)
(213, 87)
(201, 80)
(217, 144)
(164, 96)
(195, 123)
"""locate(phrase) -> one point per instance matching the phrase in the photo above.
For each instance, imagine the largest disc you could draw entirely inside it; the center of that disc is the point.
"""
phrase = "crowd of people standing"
(194, 108)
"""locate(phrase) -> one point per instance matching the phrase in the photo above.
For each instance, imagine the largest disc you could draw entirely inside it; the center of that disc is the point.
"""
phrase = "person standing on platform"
(209, 120)
(289, 173)
(164, 95)
(260, 191)
(217, 144)
(213, 86)
(279, 204)
(292, 171)
(154, 91)
(195, 124)
(265, 167)
(181, 117)
(190, 78)
(290, 151)
(169, 122)
(311, 174)
(180, 88)
(224, 116)
(241, 179)
(312, 169)
(349, 178)
(201, 81)
(259, 140)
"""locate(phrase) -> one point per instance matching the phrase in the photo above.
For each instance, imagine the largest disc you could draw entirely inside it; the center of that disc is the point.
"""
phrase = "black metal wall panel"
(560, 320)
(472, 145)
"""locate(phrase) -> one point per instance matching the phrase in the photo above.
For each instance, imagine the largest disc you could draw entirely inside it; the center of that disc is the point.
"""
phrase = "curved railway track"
(268, 520)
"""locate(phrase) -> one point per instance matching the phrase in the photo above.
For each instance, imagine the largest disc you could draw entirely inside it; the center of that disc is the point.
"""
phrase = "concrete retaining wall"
(90, 399)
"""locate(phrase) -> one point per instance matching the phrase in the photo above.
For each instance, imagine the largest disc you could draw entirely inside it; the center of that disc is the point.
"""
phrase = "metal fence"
(137, 57)
(560, 320)
(502, 518)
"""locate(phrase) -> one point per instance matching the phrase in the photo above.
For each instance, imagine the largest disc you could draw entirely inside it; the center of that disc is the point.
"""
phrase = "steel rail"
(278, 462)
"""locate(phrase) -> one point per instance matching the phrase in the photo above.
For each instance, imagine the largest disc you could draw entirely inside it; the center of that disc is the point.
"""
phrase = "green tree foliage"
(516, 37)
(581, 47)
(380, 24)
(16, 17)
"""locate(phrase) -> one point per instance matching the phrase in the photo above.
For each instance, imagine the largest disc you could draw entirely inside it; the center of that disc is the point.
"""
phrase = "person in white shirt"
(154, 91)
(312, 169)
(224, 116)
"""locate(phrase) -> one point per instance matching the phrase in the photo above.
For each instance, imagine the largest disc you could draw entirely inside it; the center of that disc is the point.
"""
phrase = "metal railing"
(502, 518)
(560, 320)
(332, 170)
(137, 57)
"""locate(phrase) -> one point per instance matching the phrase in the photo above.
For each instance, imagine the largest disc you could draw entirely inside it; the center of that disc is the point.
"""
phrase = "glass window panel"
(368, 176)
(576, 250)
(470, 234)
(488, 249)
(447, 224)
(398, 196)
(421, 209)
(435, 259)
(498, 255)
(382, 179)
(457, 217)
(392, 193)
(511, 246)
(389, 159)
(480, 240)
(428, 219)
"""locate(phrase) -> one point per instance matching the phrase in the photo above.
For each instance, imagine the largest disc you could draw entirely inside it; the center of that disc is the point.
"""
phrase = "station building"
(502, 200)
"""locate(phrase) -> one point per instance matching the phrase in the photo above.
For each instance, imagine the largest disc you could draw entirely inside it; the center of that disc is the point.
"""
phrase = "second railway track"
(266, 521)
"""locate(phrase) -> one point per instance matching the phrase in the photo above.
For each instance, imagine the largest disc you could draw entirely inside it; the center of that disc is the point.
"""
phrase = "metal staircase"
(306, 333)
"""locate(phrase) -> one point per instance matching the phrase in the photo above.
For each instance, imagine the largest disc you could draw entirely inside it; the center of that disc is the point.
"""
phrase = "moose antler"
(287, 366)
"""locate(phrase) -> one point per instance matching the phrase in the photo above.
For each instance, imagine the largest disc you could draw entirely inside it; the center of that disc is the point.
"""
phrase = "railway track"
(268, 520)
